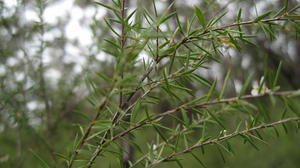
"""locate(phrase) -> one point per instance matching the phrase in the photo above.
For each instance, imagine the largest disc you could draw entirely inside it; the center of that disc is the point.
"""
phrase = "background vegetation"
(160, 83)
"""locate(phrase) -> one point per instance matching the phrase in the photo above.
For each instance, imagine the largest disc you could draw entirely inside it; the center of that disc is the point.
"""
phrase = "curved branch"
(244, 23)
(87, 132)
(201, 105)
(223, 138)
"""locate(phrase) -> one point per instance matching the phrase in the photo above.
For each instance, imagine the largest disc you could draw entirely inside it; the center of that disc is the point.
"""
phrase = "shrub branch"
(202, 105)
(223, 138)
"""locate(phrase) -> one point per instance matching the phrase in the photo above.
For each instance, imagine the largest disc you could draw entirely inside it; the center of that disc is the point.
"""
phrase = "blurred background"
(49, 49)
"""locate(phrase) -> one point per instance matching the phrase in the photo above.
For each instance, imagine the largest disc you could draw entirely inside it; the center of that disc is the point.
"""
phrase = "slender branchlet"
(201, 105)
(223, 138)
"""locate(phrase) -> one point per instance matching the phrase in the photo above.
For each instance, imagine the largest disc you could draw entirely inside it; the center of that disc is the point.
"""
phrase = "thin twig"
(87, 131)
(245, 23)
(213, 141)
(127, 149)
(201, 105)
(115, 120)
(195, 124)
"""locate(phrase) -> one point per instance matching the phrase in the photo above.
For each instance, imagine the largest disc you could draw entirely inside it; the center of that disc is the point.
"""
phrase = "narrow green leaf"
(168, 51)
(216, 119)
(189, 24)
(201, 79)
(247, 139)
(161, 134)
(163, 127)
(97, 133)
(130, 15)
(201, 48)
(185, 140)
(197, 158)
(111, 28)
(259, 18)
(135, 111)
(104, 77)
(106, 6)
(276, 131)
(268, 30)
(264, 111)
(221, 154)
(294, 9)
(235, 43)
(291, 106)
(258, 138)
(113, 43)
(225, 84)
(224, 148)
(277, 75)
(136, 50)
(177, 119)
(165, 18)
(148, 16)
(238, 18)
(195, 101)
(213, 22)
(297, 16)
(154, 7)
(246, 85)
(61, 156)
(81, 129)
(185, 117)
(81, 114)
(178, 163)
(285, 128)
(200, 16)
(211, 90)
(42, 163)
(181, 88)
(282, 10)
(171, 93)
(75, 142)
(179, 25)
(248, 42)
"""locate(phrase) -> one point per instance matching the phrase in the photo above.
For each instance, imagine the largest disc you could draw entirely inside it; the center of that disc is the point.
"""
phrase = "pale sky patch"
(47, 56)
(32, 105)
(19, 76)
(57, 10)
(77, 68)
(31, 16)
(53, 74)
(143, 56)
(75, 30)
(52, 34)
(238, 85)
(12, 61)
(189, 2)
(74, 55)
(102, 56)
(246, 60)
(2, 70)
(10, 3)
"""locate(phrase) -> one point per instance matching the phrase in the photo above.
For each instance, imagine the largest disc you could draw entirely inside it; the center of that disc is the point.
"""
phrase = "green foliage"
(175, 90)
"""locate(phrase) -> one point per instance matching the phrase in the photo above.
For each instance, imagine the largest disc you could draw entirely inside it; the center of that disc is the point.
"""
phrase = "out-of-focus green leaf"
(165, 18)
(106, 6)
(41, 162)
(200, 16)
(259, 18)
